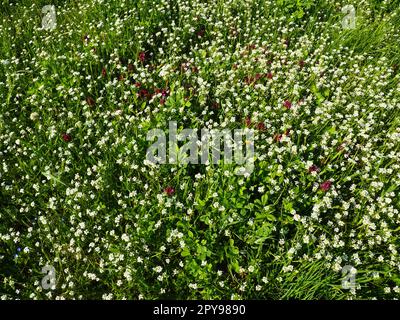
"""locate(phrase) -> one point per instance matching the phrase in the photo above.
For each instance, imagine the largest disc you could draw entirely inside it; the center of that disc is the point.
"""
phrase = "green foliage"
(77, 102)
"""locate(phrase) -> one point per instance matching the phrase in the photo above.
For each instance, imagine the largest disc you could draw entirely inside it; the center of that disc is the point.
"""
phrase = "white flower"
(34, 116)
(158, 269)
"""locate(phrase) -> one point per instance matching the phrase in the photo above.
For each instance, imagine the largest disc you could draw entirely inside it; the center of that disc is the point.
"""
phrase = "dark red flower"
(90, 101)
(131, 67)
(66, 137)
(137, 84)
(287, 104)
(200, 32)
(325, 186)
(301, 63)
(162, 101)
(164, 92)
(157, 90)
(142, 56)
(313, 168)
(269, 75)
(261, 126)
(143, 93)
(215, 105)
(169, 191)
(248, 121)
(104, 72)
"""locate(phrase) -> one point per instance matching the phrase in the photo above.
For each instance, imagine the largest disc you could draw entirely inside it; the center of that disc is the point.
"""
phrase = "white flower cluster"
(76, 103)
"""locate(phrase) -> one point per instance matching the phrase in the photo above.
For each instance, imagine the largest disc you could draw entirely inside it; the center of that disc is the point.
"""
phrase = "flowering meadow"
(83, 215)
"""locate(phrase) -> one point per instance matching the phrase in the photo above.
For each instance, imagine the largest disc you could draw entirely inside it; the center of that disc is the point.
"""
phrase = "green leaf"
(235, 265)
(300, 13)
(185, 252)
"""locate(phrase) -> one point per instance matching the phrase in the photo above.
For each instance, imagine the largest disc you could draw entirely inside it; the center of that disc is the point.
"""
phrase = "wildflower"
(326, 185)
(200, 32)
(142, 56)
(90, 101)
(248, 121)
(287, 104)
(66, 137)
(261, 126)
(34, 116)
(143, 93)
(313, 168)
(169, 191)
(164, 93)
(215, 105)
(158, 269)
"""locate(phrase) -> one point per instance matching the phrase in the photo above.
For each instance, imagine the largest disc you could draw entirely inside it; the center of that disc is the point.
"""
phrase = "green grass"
(91, 208)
